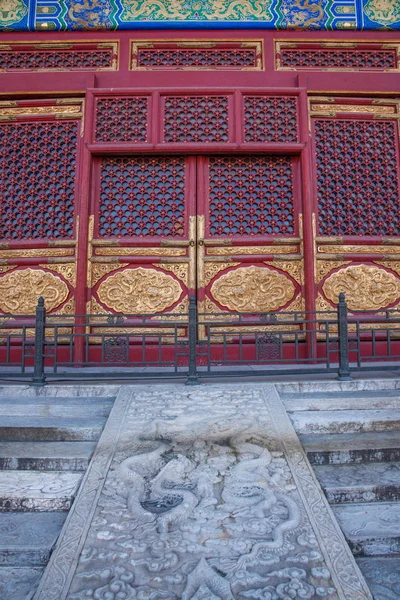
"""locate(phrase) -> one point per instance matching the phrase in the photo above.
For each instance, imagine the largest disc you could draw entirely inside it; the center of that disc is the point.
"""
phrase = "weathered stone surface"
(346, 421)
(353, 400)
(372, 528)
(48, 406)
(46, 456)
(207, 494)
(26, 539)
(19, 583)
(383, 576)
(50, 429)
(28, 490)
(345, 448)
(369, 482)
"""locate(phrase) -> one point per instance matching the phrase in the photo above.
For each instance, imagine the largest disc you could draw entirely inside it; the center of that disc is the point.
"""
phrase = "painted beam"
(90, 15)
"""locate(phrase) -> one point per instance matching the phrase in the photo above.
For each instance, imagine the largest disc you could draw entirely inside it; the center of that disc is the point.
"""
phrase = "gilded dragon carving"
(253, 289)
(139, 290)
(20, 290)
(367, 287)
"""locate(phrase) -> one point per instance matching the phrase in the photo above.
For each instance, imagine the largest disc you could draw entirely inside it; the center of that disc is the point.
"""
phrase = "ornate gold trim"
(74, 109)
(245, 250)
(361, 249)
(36, 252)
(128, 251)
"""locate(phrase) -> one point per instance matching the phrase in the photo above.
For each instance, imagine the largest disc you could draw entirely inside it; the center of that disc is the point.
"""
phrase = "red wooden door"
(224, 227)
(143, 244)
(249, 257)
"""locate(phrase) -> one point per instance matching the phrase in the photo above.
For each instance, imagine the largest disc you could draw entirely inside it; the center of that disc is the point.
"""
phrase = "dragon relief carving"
(253, 289)
(203, 510)
(139, 290)
(20, 290)
(367, 287)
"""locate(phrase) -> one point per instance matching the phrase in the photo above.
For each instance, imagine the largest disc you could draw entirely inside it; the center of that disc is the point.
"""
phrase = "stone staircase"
(46, 444)
(352, 438)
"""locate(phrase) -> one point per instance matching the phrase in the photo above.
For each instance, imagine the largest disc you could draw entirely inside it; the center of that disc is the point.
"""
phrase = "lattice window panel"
(196, 119)
(337, 58)
(142, 197)
(81, 57)
(270, 119)
(122, 119)
(37, 179)
(198, 58)
(357, 177)
(251, 196)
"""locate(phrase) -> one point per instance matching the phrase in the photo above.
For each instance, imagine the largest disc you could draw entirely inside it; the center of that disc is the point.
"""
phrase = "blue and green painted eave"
(91, 15)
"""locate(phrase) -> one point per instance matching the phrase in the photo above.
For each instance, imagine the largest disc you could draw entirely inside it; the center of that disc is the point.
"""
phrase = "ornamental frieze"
(253, 289)
(367, 287)
(28, 15)
(139, 290)
(20, 290)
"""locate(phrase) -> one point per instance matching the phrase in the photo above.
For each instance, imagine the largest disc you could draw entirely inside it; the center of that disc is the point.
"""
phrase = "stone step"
(56, 407)
(342, 448)
(382, 576)
(345, 421)
(19, 583)
(46, 456)
(372, 529)
(354, 400)
(26, 539)
(50, 429)
(33, 491)
(367, 482)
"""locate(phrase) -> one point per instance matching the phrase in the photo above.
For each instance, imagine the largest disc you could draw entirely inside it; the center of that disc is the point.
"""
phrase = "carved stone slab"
(202, 493)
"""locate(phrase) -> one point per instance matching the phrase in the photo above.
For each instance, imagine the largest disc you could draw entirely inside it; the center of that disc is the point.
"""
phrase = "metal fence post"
(193, 377)
(343, 333)
(39, 378)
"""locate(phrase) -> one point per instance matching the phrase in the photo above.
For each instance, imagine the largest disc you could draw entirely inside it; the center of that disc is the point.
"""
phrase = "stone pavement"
(200, 493)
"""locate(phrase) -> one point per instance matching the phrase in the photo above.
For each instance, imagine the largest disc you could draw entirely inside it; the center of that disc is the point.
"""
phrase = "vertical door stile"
(201, 190)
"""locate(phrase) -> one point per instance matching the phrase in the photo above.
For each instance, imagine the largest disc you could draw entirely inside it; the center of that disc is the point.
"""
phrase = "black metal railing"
(196, 345)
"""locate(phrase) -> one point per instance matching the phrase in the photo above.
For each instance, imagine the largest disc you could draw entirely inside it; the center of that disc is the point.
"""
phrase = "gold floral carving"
(212, 269)
(366, 287)
(297, 305)
(180, 270)
(321, 304)
(20, 290)
(326, 266)
(59, 111)
(294, 269)
(253, 289)
(123, 251)
(351, 108)
(4, 269)
(68, 308)
(66, 270)
(37, 252)
(389, 264)
(139, 290)
(241, 250)
(359, 249)
(99, 270)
